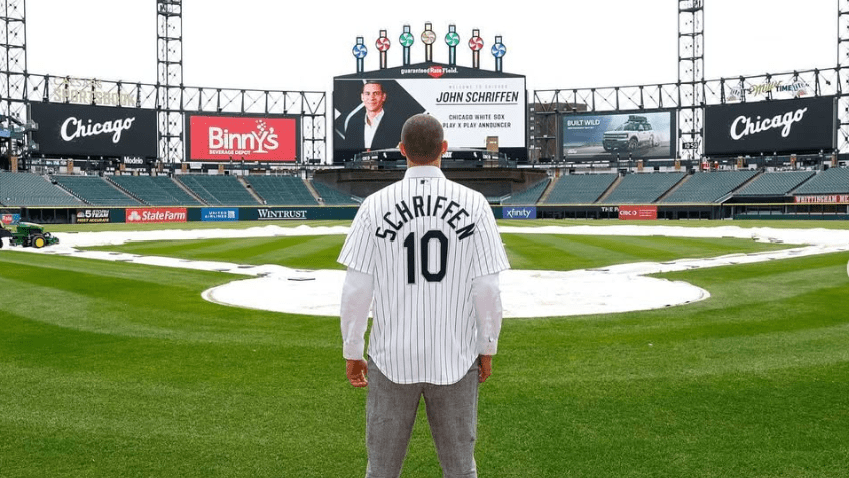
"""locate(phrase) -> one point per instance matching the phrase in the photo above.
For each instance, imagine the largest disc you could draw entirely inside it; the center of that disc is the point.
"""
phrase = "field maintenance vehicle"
(27, 234)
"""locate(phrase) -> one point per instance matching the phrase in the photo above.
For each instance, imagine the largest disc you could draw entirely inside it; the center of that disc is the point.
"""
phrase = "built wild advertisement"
(787, 126)
(471, 104)
(82, 130)
(612, 136)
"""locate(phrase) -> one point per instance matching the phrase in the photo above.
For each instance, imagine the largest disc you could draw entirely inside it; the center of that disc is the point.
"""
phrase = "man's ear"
(444, 147)
(403, 149)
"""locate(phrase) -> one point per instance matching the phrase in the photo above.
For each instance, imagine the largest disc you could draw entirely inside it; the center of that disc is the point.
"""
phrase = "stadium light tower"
(843, 73)
(169, 78)
(691, 75)
(13, 77)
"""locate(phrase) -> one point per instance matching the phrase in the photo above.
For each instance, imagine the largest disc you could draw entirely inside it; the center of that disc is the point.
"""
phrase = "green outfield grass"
(118, 369)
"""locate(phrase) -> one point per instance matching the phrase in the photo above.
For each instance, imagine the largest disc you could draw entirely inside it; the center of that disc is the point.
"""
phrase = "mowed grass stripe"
(750, 382)
(300, 252)
(562, 252)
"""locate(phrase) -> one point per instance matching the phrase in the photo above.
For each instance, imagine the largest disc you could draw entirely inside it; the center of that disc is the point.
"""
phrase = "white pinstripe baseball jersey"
(424, 239)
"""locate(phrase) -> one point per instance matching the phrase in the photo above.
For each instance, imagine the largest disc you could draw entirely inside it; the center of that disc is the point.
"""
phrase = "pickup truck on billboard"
(631, 136)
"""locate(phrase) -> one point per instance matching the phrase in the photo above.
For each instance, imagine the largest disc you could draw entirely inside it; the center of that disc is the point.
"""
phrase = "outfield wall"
(151, 215)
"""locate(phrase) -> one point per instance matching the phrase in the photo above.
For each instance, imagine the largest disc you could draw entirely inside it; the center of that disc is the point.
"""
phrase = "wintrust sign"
(239, 138)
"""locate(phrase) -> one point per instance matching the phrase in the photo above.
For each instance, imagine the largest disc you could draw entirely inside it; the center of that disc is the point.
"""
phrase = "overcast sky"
(281, 45)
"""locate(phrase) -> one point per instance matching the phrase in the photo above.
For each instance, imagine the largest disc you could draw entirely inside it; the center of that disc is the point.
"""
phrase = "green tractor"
(28, 234)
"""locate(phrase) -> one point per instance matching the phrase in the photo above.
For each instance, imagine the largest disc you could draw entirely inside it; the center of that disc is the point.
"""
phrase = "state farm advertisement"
(242, 138)
(638, 213)
(158, 214)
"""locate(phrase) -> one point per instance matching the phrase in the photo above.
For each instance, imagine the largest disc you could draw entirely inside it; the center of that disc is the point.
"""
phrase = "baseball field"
(117, 369)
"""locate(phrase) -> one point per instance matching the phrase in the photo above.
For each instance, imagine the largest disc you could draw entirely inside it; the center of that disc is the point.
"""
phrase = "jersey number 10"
(410, 245)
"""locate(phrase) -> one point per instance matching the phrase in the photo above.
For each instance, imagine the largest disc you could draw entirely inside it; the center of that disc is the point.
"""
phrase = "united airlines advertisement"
(471, 104)
(787, 126)
(610, 136)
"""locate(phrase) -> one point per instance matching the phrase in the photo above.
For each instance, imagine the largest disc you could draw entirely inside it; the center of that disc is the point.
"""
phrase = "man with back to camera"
(427, 250)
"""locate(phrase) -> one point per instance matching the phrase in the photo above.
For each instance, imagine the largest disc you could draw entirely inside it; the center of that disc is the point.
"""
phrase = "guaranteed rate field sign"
(248, 138)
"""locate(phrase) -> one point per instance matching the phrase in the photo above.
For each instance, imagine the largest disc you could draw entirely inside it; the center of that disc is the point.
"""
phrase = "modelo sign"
(248, 138)
(788, 126)
(78, 130)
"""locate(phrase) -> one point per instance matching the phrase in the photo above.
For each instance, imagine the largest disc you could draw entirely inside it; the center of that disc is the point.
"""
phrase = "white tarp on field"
(617, 288)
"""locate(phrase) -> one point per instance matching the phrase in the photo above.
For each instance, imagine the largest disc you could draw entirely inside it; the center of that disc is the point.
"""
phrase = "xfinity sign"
(525, 212)
(788, 126)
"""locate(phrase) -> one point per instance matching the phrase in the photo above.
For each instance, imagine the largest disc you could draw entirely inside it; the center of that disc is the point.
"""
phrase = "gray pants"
(452, 413)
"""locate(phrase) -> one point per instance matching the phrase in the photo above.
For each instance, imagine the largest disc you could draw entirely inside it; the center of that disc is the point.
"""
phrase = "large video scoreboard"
(472, 105)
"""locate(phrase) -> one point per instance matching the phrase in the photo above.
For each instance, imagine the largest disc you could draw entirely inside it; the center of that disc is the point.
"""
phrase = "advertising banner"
(237, 138)
(159, 214)
(91, 216)
(611, 136)
(524, 212)
(637, 213)
(79, 130)
(787, 126)
(277, 214)
(822, 199)
(10, 219)
(471, 104)
(218, 214)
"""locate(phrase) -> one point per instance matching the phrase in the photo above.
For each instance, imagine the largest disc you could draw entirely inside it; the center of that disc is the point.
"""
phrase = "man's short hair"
(422, 137)
(370, 82)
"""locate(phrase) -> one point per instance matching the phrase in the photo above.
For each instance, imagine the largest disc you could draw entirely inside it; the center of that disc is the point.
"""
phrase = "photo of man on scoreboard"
(375, 123)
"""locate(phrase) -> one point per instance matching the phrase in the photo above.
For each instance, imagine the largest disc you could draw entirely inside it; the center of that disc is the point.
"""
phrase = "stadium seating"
(26, 189)
(218, 190)
(333, 197)
(701, 188)
(774, 184)
(579, 188)
(642, 188)
(830, 181)
(529, 196)
(155, 191)
(282, 190)
(95, 191)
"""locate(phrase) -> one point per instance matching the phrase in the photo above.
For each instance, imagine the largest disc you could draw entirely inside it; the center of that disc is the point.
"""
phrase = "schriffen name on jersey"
(425, 206)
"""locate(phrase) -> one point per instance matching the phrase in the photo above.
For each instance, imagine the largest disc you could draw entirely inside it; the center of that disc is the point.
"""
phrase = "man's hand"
(357, 371)
(485, 369)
